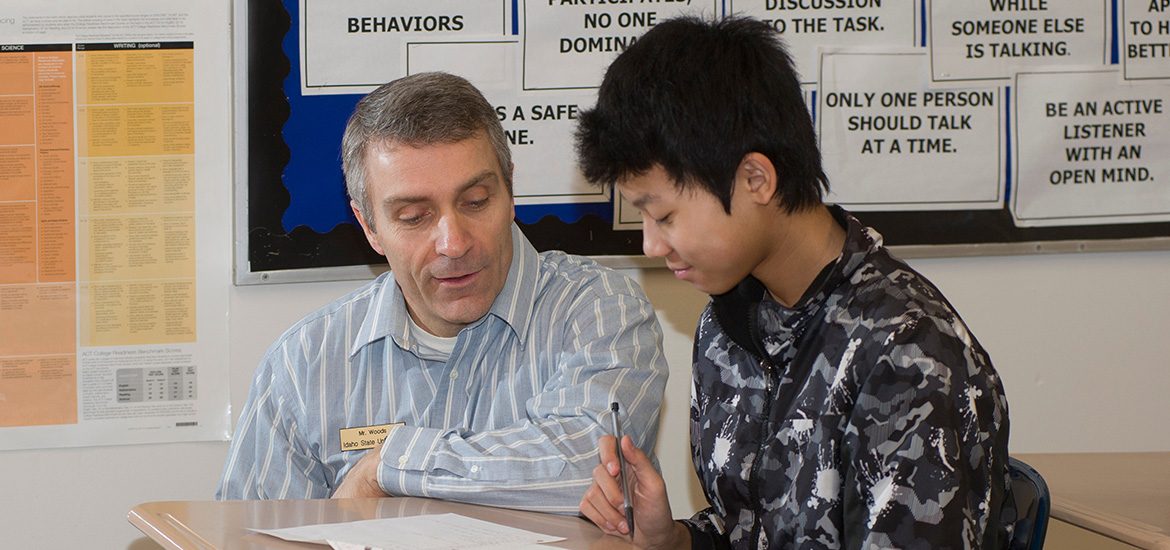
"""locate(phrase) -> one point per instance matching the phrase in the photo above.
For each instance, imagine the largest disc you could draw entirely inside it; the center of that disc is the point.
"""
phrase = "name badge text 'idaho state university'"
(365, 437)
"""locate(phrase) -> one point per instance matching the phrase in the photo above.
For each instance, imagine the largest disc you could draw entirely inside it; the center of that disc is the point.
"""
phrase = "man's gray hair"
(416, 111)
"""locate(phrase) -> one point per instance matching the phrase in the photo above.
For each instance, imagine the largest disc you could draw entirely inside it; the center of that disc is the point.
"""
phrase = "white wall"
(1079, 339)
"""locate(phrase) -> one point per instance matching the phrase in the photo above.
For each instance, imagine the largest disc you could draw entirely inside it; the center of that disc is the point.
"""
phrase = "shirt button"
(474, 469)
(454, 374)
(402, 459)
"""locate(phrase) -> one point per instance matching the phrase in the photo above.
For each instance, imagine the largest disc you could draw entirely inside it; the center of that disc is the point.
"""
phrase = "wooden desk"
(1124, 496)
(205, 525)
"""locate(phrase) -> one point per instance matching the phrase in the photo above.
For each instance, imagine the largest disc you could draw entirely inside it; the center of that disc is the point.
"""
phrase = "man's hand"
(362, 479)
(654, 527)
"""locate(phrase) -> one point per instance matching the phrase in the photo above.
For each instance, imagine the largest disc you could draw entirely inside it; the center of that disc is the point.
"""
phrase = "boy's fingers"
(596, 506)
(607, 489)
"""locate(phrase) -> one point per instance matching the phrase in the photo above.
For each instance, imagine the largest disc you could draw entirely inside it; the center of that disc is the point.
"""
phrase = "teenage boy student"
(488, 368)
(838, 400)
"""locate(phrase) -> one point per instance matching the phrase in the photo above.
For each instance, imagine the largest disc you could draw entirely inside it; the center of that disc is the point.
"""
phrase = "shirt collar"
(517, 300)
(387, 316)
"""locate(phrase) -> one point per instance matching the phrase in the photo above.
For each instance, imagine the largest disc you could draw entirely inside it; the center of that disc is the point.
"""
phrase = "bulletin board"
(953, 127)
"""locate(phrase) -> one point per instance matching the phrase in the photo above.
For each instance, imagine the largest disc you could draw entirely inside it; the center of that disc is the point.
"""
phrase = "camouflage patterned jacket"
(865, 417)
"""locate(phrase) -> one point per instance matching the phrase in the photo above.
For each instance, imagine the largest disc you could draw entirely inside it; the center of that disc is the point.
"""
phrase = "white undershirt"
(430, 346)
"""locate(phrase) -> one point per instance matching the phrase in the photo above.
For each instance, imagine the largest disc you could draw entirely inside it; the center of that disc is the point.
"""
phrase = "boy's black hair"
(694, 97)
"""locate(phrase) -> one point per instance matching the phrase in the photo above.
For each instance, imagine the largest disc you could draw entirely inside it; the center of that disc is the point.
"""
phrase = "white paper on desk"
(426, 532)
(347, 546)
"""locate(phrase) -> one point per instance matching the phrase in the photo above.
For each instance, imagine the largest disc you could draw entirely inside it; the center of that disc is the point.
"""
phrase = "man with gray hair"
(476, 369)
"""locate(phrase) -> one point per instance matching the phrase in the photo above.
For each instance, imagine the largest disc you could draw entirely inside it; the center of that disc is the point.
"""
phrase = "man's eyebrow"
(413, 199)
(476, 180)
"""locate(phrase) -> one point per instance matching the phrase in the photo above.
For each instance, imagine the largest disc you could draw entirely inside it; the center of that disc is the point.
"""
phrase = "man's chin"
(465, 313)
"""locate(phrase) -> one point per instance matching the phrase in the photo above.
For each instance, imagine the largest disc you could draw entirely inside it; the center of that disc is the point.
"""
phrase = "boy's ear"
(756, 176)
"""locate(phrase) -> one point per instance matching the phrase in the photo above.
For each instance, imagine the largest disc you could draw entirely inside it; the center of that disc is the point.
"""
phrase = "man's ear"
(366, 227)
(757, 177)
(511, 189)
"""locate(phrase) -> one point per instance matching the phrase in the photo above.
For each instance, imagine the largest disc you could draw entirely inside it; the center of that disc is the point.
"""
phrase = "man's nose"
(452, 239)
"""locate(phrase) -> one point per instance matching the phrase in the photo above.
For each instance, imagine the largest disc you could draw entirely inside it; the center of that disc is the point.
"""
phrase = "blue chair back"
(1032, 503)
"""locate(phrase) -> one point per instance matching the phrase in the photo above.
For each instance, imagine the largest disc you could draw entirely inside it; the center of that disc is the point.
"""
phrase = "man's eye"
(411, 219)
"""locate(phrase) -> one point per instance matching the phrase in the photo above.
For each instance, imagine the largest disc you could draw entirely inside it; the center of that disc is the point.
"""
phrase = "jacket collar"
(741, 311)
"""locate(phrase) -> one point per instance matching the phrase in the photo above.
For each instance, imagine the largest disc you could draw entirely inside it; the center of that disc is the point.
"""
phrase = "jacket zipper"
(773, 387)
(753, 486)
(770, 378)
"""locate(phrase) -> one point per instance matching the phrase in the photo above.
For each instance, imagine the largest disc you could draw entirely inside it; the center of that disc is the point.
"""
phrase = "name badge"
(365, 437)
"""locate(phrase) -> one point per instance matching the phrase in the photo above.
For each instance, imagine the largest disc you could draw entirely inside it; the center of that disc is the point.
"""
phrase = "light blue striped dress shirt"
(511, 418)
